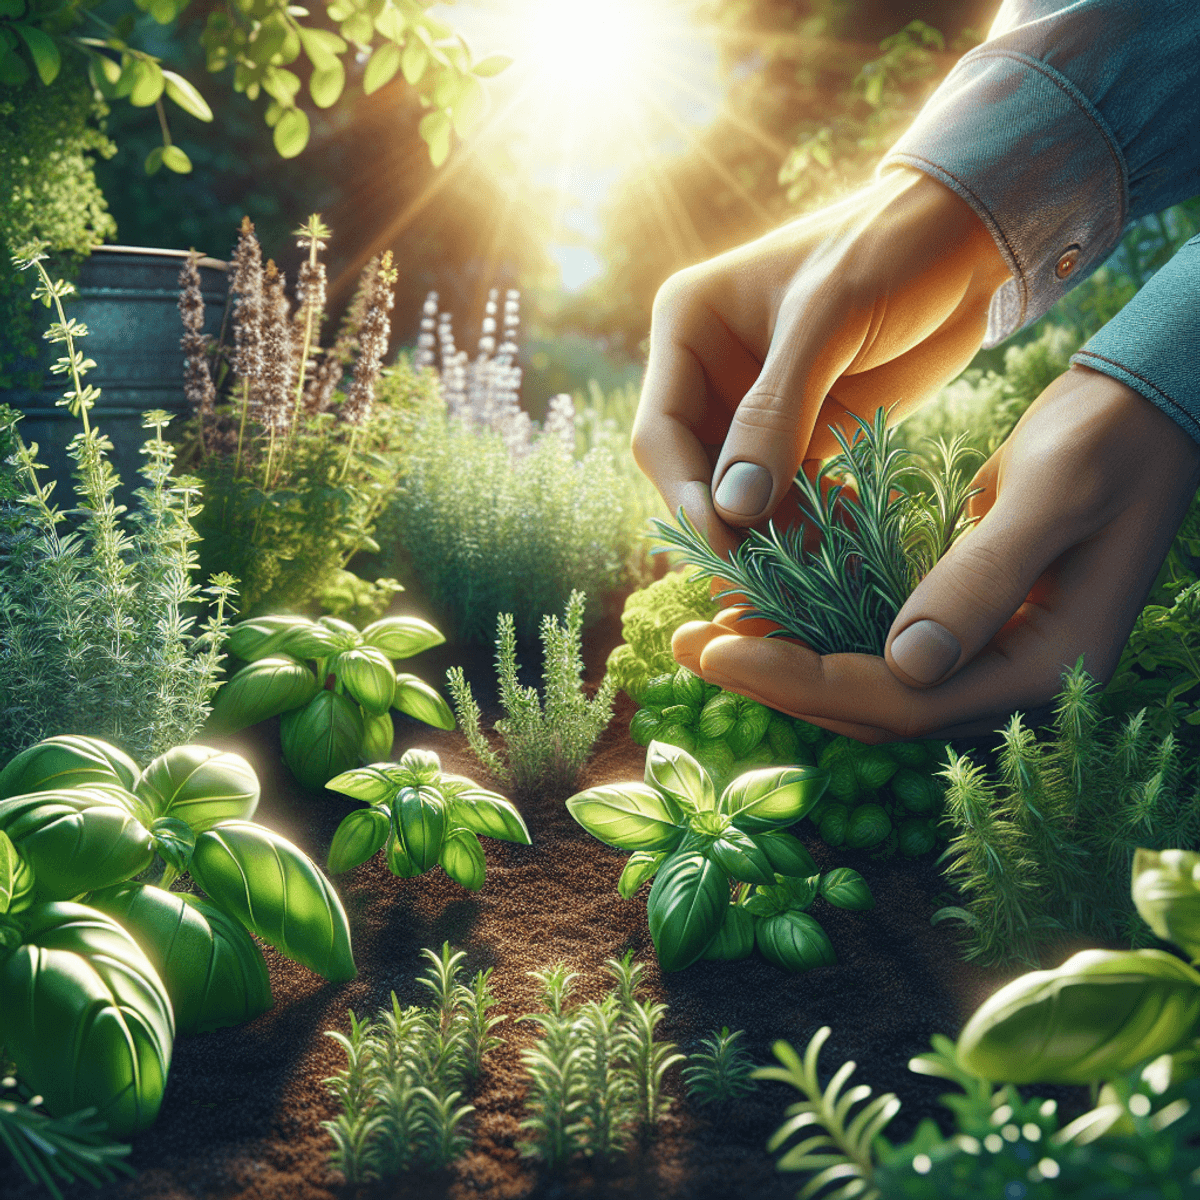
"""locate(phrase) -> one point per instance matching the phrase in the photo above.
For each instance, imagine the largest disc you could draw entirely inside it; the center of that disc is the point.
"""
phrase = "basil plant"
(99, 966)
(333, 686)
(1104, 1012)
(423, 817)
(696, 847)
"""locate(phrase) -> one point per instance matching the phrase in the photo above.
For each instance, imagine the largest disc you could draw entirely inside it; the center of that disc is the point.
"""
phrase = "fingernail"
(925, 651)
(744, 489)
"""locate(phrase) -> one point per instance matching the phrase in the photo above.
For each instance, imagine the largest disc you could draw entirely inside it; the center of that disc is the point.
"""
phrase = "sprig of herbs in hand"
(97, 623)
(875, 546)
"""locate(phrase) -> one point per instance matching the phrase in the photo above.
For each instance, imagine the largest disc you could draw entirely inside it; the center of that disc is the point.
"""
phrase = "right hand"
(873, 302)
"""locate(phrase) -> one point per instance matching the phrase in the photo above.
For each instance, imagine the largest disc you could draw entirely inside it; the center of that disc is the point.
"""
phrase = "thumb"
(976, 588)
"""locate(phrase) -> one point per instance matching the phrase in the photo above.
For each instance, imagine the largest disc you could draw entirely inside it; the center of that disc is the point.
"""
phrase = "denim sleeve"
(1071, 120)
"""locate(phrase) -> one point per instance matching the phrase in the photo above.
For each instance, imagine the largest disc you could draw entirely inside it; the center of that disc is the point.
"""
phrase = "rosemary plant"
(596, 1072)
(546, 742)
(98, 625)
(874, 547)
(405, 1073)
(1045, 851)
(50, 1150)
(721, 1071)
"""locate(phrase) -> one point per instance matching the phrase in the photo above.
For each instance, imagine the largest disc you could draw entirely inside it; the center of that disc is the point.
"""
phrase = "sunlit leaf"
(186, 96)
(492, 65)
(327, 83)
(43, 51)
(385, 62)
(291, 133)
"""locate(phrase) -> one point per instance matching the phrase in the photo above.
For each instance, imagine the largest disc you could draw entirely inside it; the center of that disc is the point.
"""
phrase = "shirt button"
(1066, 262)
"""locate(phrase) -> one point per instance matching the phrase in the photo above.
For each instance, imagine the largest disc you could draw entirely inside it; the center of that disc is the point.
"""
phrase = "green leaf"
(462, 859)
(435, 130)
(417, 699)
(174, 159)
(213, 972)
(470, 105)
(265, 636)
(265, 688)
(200, 785)
(492, 65)
(13, 71)
(291, 134)
(869, 825)
(1101, 1013)
(642, 865)
(490, 814)
(401, 637)
(43, 51)
(323, 739)
(844, 888)
(675, 772)
(398, 862)
(16, 878)
(917, 791)
(772, 796)
(174, 841)
(367, 675)
(794, 941)
(718, 715)
(276, 891)
(86, 1017)
(64, 762)
(383, 65)
(735, 938)
(786, 853)
(630, 816)
(327, 83)
(154, 161)
(419, 818)
(77, 839)
(685, 908)
(414, 62)
(750, 728)
(1166, 893)
(378, 735)
(148, 83)
(360, 835)
(368, 784)
(186, 96)
(738, 855)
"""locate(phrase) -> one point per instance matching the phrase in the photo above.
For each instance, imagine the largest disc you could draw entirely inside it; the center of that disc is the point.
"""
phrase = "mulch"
(241, 1118)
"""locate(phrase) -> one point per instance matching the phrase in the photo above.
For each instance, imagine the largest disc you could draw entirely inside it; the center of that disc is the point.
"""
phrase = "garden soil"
(242, 1114)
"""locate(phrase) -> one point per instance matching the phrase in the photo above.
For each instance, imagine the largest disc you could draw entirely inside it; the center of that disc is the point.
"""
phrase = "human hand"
(754, 354)
(1078, 510)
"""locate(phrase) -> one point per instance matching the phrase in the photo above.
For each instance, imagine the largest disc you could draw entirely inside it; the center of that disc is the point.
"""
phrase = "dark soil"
(241, 1118)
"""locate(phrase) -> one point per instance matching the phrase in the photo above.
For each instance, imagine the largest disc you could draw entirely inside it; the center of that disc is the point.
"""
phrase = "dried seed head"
(197, 381)
(373, 340)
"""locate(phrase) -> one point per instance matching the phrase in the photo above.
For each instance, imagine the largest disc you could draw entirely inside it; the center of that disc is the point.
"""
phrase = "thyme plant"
(874, 549)
(546, 740)
(1045, 850)
(405, 1074)
(99, 632)
(720, 1071)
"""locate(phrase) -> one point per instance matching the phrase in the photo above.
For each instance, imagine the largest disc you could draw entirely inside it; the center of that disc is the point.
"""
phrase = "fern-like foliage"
(843, 596)
(547, 739)
(721, 1070)
(842, 1130)
(1045, 850)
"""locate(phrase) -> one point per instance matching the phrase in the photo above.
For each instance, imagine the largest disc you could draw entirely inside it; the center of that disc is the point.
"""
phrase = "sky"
(595, 87)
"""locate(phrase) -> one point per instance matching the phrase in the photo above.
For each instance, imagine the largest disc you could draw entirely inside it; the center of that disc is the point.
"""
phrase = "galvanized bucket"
(128, 298)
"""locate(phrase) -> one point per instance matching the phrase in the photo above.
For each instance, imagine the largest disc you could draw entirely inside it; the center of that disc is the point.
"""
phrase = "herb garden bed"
(242, 1113)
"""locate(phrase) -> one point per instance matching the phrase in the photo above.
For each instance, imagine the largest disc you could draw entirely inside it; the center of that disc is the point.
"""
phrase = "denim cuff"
(1027, 150)
(1153, 344)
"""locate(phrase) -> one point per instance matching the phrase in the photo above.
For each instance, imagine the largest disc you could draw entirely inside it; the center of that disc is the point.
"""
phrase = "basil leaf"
(736, 853)
(260, 637)
(676, 773)
(200, 786)
(358, 837)
(86, 1017)
(794, 941)
(735, 938)
(787, 853)
(16, 878)
(213, 972)
(486, 812)
(419, 818)
(401, 637)
(378, 735)
(367, 675)
(322, 739)
(77, 839)
(772, 796)
(278, 892)
(173, 840)
(1101, 1013)
(368, 784)
(630, 816)
(417, 699)
(1166, 892)
(685, 908)
(263, 689)
(398, 862)
(66, 761)
(844, 888)
(462, 859)
(642, 865)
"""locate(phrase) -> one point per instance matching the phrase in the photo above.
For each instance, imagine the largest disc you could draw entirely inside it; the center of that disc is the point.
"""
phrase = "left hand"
(1078, 510)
